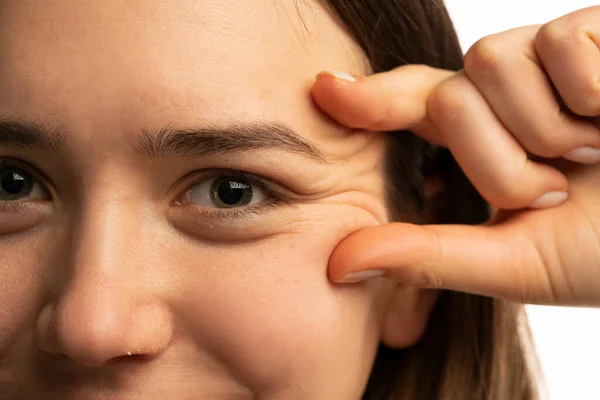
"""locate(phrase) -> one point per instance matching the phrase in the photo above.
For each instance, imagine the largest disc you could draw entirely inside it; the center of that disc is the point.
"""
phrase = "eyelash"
(275, 197)
(35, 175)
(9, 162)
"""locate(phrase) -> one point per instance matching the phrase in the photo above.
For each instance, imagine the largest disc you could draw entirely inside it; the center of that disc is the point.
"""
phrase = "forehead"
(163, 59)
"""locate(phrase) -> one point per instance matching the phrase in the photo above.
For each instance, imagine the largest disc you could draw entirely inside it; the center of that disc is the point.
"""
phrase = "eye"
(225, 191)
(18, 184)
(229, 205)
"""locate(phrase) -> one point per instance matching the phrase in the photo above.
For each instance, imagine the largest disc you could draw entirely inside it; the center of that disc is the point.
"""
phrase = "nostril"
(131, 356)
(44, 335)
(93, 332)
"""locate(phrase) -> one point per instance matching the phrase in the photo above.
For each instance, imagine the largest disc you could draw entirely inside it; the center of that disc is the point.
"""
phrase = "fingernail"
(362, 275)
(550, 199)
(337, 74)
(584, 155)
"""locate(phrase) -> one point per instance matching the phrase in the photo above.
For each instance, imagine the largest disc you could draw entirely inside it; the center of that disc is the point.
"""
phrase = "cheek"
(21, 287)
(268, 311)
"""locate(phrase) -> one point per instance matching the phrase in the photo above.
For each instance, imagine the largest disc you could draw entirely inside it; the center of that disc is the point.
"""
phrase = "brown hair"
(474, 347)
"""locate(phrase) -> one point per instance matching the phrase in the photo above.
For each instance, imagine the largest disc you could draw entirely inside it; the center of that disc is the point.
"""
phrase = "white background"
(567, 339)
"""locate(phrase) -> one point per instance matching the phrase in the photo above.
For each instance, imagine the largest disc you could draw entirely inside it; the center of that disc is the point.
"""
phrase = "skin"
(540, 138)
(111, 288)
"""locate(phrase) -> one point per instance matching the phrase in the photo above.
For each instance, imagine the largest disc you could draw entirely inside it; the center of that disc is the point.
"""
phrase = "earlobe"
(407, 315)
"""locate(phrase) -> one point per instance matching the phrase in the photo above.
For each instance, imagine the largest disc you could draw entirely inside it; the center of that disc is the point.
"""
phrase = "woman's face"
(137, 261)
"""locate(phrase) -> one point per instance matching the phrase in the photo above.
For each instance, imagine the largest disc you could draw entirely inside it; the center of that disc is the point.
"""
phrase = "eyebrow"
(31, 135)
(220, 139)
(167, 142)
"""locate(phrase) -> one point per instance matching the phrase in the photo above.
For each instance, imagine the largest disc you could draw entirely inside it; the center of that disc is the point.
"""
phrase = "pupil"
(229, 192)
(13, 182)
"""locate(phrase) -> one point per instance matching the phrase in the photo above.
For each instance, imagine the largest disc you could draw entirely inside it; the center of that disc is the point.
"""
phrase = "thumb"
(492, 261)
(386, 101)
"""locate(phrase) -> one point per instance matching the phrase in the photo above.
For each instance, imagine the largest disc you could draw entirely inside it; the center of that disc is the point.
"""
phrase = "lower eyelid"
(236, 213)
(20, 216)
(226, 225)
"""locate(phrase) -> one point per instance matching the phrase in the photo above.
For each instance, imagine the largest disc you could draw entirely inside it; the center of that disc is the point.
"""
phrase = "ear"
(407, 315)
(409, 308)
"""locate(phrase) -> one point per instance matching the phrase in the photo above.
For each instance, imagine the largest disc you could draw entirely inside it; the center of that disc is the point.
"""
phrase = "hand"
(493, 116)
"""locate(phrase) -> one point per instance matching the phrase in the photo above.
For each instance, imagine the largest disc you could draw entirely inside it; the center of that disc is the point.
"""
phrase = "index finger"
(387, 101)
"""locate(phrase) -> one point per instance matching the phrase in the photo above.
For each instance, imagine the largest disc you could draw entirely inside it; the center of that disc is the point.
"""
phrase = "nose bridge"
(101, 310)
(102, 234)
(100, 243)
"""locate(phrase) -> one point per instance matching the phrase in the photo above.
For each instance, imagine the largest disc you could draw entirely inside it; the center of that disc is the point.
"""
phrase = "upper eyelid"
(235, 213)
(38, 176)
(272, 188)
(27, 167)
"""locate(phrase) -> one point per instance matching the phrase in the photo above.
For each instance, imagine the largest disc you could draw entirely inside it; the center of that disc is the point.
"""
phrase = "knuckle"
(533, 282)
(485, 56)
(527, 285)
(446, 101)
(426, 280)
(521, 290)
(556, 40)
(524, 291)
(507, 188)
(587, 101)
(554, 35)
(546, 141)
(504, 197)
(562, 34)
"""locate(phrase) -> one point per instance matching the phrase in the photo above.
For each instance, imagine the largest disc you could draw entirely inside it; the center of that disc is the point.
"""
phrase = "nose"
(105, 308)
